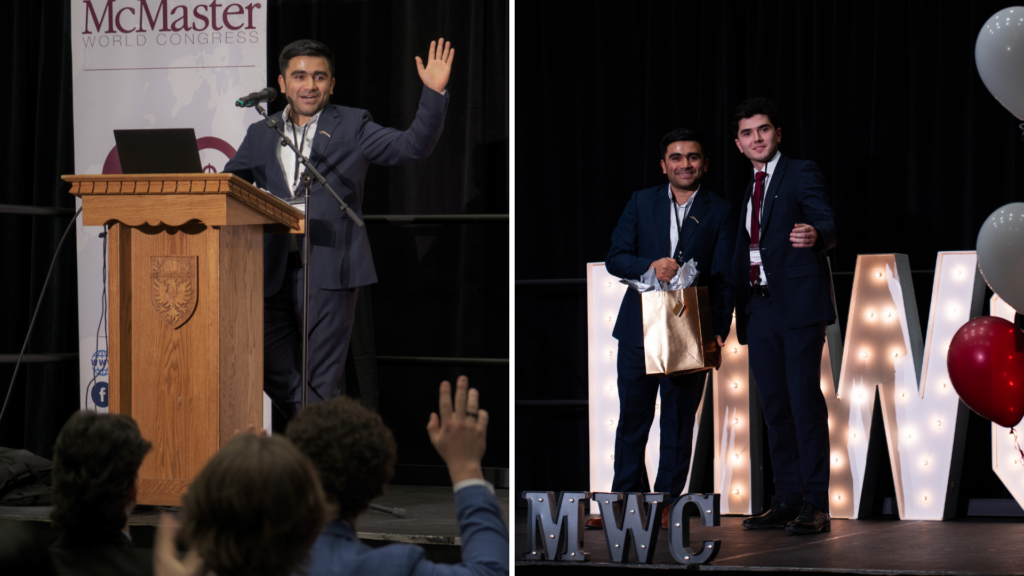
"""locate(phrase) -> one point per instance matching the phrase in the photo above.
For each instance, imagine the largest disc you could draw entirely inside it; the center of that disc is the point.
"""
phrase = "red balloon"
(986, 367)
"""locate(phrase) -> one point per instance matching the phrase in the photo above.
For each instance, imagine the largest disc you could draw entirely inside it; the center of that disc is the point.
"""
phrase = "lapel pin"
(694, 219)
(325, 133)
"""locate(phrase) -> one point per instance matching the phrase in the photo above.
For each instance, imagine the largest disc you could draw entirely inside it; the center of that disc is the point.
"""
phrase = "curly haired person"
(354, 453)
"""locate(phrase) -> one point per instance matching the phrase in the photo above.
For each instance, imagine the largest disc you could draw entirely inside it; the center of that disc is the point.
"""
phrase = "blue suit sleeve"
(720, 285)
(389, 147)
(816, 207)
(484, 538)
(239, 164)
(622, 260)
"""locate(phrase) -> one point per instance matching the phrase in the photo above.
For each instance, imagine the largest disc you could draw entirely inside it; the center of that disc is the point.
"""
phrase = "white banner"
(153, 64)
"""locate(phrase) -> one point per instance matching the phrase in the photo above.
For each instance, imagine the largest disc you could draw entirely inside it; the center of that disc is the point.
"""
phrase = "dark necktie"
(755, 228)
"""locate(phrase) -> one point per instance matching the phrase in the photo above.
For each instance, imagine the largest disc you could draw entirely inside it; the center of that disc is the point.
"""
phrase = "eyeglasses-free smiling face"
(308, 85)
(758, 139)
(684, 164)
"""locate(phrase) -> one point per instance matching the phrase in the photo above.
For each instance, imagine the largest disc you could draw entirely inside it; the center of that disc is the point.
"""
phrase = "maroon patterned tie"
(755, 228)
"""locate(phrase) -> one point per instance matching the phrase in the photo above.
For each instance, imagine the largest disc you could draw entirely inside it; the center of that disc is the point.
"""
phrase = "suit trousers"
(638, 392)
(786, 363)
(331, 317)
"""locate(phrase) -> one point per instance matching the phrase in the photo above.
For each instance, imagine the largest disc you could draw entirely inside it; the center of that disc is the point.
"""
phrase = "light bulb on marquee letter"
(888, 356)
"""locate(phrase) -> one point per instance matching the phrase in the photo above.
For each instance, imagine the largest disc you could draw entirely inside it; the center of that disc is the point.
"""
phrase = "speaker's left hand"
(439, 65)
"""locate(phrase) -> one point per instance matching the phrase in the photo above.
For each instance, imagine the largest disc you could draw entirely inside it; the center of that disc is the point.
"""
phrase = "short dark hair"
(351, 448)
(255, 508)
(751, 108)
(305, 48)
(680, 135)
(95, 460)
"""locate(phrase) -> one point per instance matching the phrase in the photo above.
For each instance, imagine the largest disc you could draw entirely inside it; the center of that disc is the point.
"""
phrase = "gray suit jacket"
(346, 143)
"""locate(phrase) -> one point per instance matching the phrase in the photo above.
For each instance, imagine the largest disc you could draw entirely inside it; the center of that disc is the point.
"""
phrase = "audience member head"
(96, 463)
(256, 508)
(352, 449)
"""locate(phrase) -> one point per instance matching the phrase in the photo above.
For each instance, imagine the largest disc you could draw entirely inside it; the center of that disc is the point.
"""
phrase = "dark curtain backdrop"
(884, 96)
(433, 298)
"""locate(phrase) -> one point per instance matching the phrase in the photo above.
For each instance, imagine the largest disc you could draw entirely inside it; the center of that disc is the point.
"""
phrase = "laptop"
(158, 151)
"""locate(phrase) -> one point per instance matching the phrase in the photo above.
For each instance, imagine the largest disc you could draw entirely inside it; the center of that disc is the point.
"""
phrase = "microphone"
(265, 95)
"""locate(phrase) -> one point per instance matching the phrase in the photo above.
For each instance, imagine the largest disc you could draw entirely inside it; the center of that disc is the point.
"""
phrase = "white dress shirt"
(302, 137)
(769, 169)
(678, 215)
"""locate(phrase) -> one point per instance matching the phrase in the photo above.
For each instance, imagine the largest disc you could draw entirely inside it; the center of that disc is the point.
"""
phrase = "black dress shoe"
(776, 517)
(810, 521)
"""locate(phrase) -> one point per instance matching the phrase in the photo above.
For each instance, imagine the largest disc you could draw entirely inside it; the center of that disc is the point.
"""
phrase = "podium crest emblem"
(173, 287)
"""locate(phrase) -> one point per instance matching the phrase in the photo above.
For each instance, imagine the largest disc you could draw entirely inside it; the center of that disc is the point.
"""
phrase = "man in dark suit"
(783, 303)
(95, 478)
(660, 229)
(341, 143)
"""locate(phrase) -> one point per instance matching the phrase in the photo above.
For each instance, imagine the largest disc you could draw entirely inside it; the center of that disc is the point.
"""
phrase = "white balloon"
(1001, 253)
(999, 54)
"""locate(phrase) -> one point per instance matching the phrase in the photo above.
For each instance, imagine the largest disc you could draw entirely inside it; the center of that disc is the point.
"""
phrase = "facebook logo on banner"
(99, 394)
(99, 363)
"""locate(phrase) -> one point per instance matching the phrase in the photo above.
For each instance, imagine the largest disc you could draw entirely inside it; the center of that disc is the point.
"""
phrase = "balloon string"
(1016, 444)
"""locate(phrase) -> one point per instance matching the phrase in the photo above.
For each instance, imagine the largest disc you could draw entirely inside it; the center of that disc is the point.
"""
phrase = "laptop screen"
(158, 151)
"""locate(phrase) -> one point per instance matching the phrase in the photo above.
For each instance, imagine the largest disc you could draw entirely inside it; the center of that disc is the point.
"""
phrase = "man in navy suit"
(783, 303)
(660, 229)
(341, 143)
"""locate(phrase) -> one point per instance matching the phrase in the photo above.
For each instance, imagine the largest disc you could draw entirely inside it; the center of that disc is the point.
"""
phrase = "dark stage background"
(884, 97)
(434, 298)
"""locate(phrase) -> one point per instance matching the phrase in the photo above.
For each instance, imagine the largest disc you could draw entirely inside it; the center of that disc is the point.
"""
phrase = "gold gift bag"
(678, 336)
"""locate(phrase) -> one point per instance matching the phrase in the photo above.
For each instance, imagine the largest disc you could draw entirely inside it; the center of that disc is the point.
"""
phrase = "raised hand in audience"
(460, 433)
(165, 555)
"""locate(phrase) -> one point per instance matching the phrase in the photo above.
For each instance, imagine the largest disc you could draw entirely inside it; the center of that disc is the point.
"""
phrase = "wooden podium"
(185, 313)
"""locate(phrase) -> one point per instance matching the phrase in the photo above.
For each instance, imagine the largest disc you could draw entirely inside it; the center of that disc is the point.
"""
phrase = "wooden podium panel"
(185, 348)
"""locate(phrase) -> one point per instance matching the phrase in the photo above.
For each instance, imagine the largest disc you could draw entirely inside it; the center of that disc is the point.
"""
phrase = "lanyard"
(680, 221)
(302, 145)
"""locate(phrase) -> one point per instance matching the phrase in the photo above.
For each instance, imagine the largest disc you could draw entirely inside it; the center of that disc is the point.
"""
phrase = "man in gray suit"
(341, 142)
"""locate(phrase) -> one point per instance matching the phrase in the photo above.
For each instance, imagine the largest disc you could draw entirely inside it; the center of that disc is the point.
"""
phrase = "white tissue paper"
(685, 277)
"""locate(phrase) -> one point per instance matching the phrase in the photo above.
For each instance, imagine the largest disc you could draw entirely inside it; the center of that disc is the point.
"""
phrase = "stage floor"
(876, 546)
(429, 518)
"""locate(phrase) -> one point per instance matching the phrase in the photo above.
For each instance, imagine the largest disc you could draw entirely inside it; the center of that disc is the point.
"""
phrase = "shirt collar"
(770, 166)
(688, 202)
(288, 116)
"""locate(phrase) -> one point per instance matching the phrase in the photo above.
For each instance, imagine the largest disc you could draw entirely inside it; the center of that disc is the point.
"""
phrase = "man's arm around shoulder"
(817, 209)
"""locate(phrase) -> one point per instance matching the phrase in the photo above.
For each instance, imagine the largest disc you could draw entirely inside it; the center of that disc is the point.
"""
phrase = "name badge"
(755, 254)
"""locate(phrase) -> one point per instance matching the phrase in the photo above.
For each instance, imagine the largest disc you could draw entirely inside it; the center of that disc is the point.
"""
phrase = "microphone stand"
(275, 123)
(307, 185)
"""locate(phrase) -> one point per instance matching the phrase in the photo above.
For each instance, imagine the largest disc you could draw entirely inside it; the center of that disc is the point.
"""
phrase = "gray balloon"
(999, 54)
(1001, 253)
